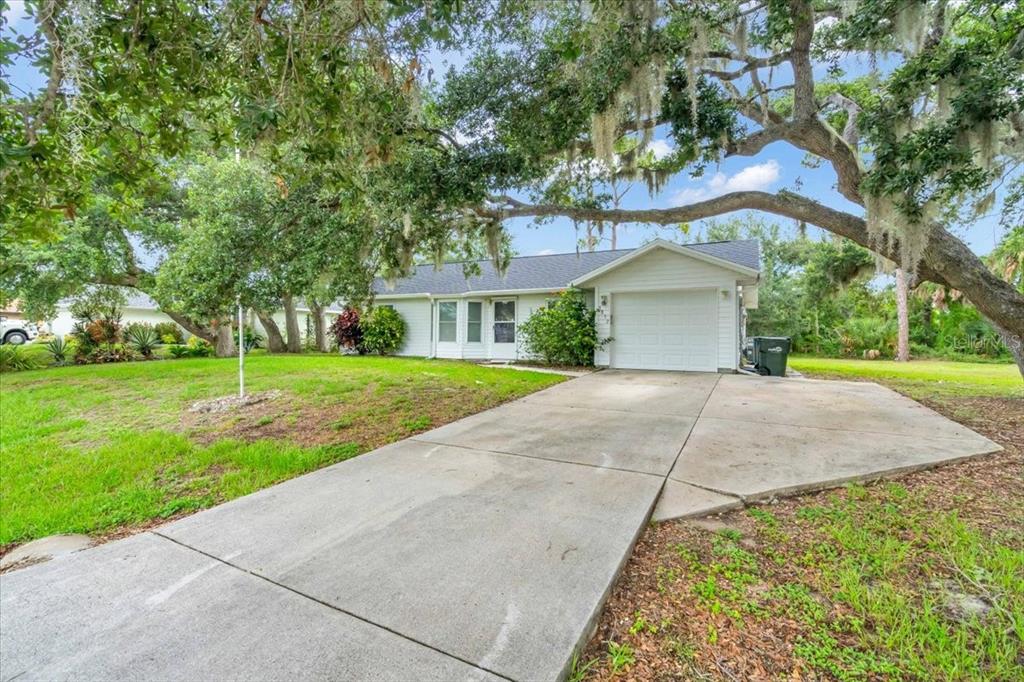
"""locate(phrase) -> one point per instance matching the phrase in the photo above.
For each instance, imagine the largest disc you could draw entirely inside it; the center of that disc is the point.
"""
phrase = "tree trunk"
(275, 342)
(191, 326)
(291, 325)
(225, 346)
(1014, 342)
(319, 327)
(902, 318)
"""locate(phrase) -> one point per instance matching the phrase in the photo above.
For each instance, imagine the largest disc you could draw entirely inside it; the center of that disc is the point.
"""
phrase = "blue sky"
(778, 166)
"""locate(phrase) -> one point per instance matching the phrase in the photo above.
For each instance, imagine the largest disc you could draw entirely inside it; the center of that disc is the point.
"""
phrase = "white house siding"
(416, 313)
(61, 325)
(662, 269)
(421, 318)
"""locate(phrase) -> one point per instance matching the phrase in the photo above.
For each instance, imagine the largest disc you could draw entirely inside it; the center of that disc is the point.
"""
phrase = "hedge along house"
(666, 306)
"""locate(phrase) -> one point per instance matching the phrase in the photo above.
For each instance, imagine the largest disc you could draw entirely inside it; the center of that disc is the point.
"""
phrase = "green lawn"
(922, 379)
(95, 449)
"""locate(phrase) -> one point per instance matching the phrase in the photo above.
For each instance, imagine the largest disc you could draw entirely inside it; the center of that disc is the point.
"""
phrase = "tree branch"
(48, 25)
(852, 111)
(751, 63)
(804, 105)
(787, 204)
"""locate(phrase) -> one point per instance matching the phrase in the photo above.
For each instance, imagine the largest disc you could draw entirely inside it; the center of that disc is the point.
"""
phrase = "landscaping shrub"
(859, 334)
(195, 347)
(383, 331)
(347, 331)
(12, 359)
(960, 330)
(59, 349)
(143, 339)
(564, 332)
(99, 337)
(199, 348)
(169, 332)
(251, 339)
(131, 328)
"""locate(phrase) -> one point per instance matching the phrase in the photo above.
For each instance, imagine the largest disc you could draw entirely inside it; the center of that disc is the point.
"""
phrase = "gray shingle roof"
(544, 272)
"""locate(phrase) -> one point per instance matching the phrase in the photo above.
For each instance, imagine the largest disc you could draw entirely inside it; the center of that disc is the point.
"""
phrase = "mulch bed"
(984, 491)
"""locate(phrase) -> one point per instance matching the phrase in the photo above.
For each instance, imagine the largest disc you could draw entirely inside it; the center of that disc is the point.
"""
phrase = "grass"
(922, 379)
(858, 584)
(861, 583)
(103, 448)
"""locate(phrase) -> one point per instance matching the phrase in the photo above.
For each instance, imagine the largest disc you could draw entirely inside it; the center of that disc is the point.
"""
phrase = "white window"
(474, 321)
(504, 322)
(447, 321)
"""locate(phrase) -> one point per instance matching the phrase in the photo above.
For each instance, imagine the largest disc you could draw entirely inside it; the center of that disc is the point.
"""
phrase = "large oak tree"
(924, 142)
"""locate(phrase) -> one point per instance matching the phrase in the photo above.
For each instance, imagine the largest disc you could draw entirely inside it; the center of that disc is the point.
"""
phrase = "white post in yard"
(241, 351)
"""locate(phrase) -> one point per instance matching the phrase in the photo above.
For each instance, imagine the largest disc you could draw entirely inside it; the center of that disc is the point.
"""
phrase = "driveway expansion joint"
(330, 606)
(718, 491)
(542, 459)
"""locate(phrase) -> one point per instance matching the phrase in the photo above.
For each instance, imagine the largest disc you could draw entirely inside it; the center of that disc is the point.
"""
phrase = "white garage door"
(665, 330)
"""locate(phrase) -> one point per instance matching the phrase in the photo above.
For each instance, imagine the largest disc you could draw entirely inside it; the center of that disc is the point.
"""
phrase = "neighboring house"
(666, 306)
(12, 311)
(141, 308)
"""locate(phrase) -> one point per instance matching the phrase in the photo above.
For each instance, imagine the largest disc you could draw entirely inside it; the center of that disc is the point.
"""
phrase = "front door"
(503, 329)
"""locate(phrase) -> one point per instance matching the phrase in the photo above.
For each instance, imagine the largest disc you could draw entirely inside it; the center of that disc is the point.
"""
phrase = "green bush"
(564, 332)
(195, 347)
(12, 359)
(859, 334)
(961, 331)
(142, 338)
(251, 339)
(199, 348)
(134, 326)
(169, 329)
(383, 331)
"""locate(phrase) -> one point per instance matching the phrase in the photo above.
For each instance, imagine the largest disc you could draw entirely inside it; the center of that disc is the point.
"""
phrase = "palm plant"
(57, 347)
(143, 340)
(13, 360)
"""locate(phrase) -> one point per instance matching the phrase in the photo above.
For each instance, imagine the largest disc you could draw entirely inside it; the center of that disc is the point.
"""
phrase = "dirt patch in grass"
(862, 582)
(372, 418)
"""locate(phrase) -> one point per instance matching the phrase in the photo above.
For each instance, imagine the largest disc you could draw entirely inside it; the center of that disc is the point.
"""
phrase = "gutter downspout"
(433, 349)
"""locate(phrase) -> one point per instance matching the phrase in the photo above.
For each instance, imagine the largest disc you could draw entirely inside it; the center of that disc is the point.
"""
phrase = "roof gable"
(722, 254)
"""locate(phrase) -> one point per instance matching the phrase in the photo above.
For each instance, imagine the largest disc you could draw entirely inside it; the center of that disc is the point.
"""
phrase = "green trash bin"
(770, 355)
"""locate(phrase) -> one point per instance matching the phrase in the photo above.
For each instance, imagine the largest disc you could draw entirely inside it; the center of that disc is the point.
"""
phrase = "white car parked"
(17, 332)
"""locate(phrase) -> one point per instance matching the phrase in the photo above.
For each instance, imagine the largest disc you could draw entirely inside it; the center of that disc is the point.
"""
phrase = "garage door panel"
(665, 330)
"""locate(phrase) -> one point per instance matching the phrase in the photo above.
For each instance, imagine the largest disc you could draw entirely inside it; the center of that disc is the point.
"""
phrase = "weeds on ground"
(871, 588)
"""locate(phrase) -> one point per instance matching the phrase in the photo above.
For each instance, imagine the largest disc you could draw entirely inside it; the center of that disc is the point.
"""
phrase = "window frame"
(479, 322)
(454, 323)
(513, 322)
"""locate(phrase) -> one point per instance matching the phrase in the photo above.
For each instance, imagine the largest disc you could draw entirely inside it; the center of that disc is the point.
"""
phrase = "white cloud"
(661, 149)
(545, 252)
(752, 178)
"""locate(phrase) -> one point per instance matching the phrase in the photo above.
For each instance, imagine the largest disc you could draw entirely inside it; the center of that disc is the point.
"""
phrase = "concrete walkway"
(481, 550)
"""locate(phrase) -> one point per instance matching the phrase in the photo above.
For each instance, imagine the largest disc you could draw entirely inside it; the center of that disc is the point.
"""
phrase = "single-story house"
(665, 305)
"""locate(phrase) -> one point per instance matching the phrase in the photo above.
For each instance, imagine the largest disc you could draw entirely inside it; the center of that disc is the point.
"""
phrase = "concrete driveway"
(480, 550)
